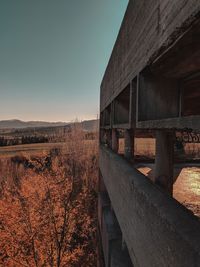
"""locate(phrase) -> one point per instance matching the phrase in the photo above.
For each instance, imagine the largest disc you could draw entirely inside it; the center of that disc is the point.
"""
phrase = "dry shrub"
(48, 206)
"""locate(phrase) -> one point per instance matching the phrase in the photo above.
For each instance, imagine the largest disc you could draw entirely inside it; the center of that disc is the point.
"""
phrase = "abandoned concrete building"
(150, 98)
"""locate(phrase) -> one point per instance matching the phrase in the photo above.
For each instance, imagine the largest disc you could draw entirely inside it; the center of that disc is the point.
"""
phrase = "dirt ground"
(186, 175)
(186, 186)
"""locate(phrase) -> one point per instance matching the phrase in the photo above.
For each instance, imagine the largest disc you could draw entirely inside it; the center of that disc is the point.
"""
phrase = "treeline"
(36, 138)
(13, 141)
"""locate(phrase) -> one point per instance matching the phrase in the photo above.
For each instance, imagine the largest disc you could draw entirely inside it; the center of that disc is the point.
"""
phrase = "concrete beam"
(191, 122)
(155, 27)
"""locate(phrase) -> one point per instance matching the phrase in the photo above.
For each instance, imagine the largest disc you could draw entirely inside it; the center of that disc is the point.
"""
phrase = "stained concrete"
(148, 30)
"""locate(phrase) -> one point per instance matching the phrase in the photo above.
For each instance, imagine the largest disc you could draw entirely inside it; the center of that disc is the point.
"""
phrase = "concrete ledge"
(192, 122)
(157, 229)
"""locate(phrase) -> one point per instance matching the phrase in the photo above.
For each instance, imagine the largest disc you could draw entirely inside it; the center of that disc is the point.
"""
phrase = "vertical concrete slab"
(109, 137)
(115, 140)
(129, 144)
(164, 160)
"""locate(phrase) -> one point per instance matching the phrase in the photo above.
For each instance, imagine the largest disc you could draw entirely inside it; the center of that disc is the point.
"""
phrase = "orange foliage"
(48, 208)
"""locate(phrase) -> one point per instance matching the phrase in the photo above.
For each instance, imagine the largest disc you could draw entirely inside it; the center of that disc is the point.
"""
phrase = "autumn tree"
(48, 208)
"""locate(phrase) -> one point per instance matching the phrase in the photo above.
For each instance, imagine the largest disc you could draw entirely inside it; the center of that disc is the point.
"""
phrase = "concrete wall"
(158, 97)
(148, 29)
(158, 230)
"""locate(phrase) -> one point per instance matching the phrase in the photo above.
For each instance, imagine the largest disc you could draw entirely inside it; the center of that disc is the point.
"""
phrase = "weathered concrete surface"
(191, 122)
(129, 144)
(148, 29)
(121, 107)
(158, 97)
(158, 230)
(115, 140)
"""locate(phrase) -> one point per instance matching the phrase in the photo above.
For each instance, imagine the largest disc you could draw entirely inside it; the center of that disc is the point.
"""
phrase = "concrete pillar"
(129, 144)
(102, 136)
(115, 140)
(164, 160)
(101, 185)
(109, 138)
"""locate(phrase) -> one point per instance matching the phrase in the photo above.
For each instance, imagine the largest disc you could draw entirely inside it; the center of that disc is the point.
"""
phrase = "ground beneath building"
(186, 186)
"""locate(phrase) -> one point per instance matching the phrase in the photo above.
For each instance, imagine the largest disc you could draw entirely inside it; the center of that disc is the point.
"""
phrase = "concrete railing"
(157, 229)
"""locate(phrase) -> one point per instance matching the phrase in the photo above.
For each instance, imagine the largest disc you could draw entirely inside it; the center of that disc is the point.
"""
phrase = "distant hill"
(17, 124)
(89, 125)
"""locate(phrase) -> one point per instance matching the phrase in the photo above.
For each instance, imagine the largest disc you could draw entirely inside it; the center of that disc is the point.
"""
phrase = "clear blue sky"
(53, 54)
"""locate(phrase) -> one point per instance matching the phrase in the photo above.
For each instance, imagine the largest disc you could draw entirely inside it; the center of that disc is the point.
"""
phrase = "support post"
(129, 144)
(115, 140)
(102, 136)
(109, 136)
(164, 160)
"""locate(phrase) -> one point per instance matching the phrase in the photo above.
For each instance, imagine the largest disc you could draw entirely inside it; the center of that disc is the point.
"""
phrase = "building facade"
(151, 86)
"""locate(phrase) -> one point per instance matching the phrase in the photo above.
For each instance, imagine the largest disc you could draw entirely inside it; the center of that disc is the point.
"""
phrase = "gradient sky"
(53, 54)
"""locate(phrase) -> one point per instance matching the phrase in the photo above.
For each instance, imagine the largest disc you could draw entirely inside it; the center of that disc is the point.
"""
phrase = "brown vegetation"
(48, 206)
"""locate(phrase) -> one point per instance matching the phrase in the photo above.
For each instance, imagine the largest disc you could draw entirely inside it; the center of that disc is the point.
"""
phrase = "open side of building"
(152, 83)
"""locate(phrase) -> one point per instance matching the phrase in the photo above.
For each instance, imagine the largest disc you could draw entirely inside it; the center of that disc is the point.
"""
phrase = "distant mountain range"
(88, 125)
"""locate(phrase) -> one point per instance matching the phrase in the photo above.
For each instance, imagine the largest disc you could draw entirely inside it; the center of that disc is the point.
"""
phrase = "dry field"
(48, 199)
(29, 149)
(146, 147)
(36, 149)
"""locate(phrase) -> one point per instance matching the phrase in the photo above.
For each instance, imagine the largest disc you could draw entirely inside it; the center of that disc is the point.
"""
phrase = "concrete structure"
(152, 82)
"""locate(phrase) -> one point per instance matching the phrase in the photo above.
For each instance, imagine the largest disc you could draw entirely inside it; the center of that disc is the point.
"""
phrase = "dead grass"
(36, 149)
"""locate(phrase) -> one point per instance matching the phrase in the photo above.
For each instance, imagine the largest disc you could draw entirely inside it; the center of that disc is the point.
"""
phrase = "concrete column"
(101, 185)
(164, 160)
(115, 140)
(109, 138)
(129, 144)
(102, 136)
